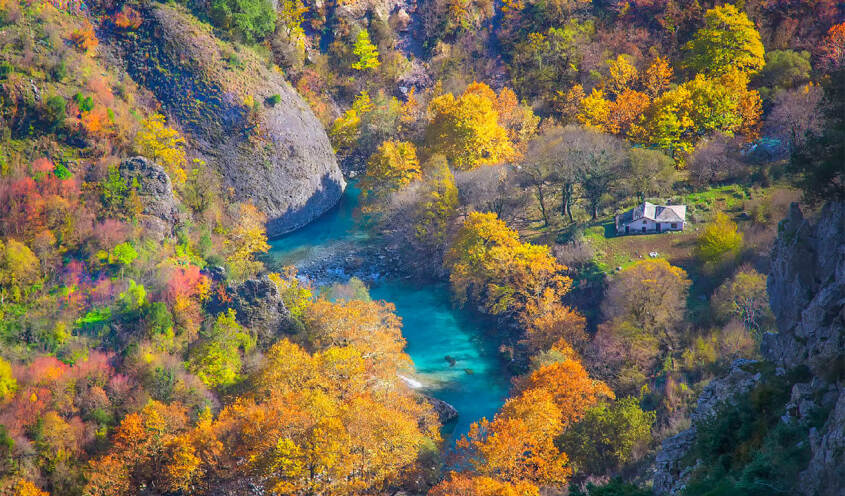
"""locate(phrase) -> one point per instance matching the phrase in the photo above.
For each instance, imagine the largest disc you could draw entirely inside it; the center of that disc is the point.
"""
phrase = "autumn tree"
(651, 294)
(316, 425)
(622, 75)
(744, 297)
(719, 239)
(139, 450)
(84, 37)
(831, 50)
(25, 487)
(518, 448)
(370, 326)
(678, 118)
(19, 270)
(365, 51)
(459, 484)
(466, 130)
(548, 321)
(8, 383)
(162, 144)
(246, 237)
(490, 265)
(438, 203)
(392, 167)
(657, 77)
(728, 40)
(572, 390)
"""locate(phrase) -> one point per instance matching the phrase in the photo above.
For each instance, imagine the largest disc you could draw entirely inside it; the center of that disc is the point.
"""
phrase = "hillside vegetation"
(147, 150)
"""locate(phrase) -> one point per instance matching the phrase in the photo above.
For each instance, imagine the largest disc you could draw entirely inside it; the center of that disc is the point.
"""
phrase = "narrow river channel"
(454, 360)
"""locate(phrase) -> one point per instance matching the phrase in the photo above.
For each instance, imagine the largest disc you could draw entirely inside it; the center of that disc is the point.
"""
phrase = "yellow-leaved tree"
(246, 237)
(163, 145)
(392, 167)
(720, 240)
(466, 130)
(490, 265)
(727, 41)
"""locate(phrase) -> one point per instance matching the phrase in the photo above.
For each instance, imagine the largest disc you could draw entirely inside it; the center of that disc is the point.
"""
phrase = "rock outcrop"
(807, 295)
(445, 412)
(155, 191)
(806, 287)
(259, 307)
(242, 117)
(671, 473)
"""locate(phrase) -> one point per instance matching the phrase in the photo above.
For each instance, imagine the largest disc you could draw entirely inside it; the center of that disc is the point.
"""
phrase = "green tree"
(53, 113)
(366, 52)
(217, 360)
(114, 192)
(608, 436)
(720, 239)
(123, 255)
(728, 40)
(249, 20)
(786, 69)
(613, 488)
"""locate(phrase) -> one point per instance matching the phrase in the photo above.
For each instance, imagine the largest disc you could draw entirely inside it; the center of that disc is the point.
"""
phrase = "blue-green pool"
(474, 381)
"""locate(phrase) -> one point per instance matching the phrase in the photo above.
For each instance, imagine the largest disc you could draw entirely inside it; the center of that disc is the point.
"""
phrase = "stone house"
(651, 218)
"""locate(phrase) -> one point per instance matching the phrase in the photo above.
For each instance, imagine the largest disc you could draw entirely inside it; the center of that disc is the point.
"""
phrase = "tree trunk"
(542, 200)
(566, 200)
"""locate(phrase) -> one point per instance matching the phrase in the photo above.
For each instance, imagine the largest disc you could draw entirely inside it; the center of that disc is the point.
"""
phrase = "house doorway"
(658, 227)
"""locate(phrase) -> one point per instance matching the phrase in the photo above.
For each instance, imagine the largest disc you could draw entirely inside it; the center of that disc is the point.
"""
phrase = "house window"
(674, 225)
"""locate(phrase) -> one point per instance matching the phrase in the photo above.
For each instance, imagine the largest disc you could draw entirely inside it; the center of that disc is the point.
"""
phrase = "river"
(473, 379)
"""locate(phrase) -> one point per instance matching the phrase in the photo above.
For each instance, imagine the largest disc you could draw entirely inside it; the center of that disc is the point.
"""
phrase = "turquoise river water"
(473, 379)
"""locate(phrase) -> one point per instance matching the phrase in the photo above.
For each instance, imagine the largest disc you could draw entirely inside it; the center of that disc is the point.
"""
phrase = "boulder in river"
(445, 412)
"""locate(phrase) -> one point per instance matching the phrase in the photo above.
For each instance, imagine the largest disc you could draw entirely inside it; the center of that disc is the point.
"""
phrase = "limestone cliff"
(242, 117)
(806, 288)
(807, 294)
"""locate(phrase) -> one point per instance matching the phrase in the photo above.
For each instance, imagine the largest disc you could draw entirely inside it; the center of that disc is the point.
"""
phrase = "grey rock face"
(275, 155)
(160, 213)
(259, 307)
(671, 474)
(445, 411)
(807, 294)
(806, 288)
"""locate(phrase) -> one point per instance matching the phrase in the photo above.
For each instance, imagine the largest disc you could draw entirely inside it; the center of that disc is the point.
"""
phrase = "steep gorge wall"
(806, 287)
(807, 294)
(278, 157)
